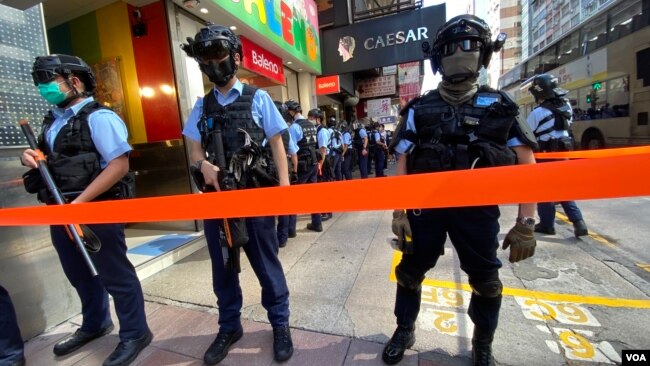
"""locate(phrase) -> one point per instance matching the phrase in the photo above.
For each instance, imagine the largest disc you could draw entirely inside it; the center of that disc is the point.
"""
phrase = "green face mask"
(51, 92)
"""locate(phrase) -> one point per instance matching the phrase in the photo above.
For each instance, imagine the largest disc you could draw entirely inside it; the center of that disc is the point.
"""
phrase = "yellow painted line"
(539, 295)
(645, 267)
(562, 217)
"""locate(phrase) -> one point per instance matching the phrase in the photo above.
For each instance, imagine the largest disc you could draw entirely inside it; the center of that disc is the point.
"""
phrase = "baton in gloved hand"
(82, 235)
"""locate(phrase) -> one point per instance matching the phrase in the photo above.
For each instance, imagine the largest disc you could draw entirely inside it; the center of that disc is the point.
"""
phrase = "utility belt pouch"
(428, 158)
(238, 231)
(126, 186)
(33, 181)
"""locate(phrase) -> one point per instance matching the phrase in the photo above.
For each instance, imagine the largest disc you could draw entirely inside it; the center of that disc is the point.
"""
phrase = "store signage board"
(328, 85)
(261, 61)
(376, 87)
(291, 25)
(385, 41)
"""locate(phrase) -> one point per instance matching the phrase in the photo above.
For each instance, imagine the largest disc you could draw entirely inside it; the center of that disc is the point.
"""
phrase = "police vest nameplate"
(484, 100)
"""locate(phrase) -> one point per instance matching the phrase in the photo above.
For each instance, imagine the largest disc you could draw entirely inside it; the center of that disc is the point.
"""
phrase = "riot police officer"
(550, 123)
(292, 150)
(336, 148)
(12, 350)
(459, 126)
(378, 144)
(347, 151)
(231, 121)
(88, 154)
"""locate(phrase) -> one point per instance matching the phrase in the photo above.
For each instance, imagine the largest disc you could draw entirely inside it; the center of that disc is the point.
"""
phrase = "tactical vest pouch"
(557, 145)
(75, 173)
(428, 158)
(238, 231)
(126, 186)
(490, 154)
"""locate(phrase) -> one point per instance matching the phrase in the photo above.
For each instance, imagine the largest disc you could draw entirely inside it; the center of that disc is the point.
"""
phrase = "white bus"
(604, 63)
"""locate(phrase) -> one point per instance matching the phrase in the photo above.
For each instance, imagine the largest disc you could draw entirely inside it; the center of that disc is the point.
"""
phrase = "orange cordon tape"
(591, 154)
(618, 176)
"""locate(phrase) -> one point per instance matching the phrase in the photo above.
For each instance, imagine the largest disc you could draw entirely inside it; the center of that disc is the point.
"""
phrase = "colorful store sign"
(290, 24)
(261, 61)
(376, 87)
(328, 85)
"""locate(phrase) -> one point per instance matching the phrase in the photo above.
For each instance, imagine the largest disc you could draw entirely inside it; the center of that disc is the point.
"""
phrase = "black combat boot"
(580, 228)
(282, 344)
(402, 339)
(482, 348)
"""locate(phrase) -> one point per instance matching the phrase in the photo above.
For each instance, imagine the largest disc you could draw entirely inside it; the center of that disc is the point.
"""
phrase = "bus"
(604, 63)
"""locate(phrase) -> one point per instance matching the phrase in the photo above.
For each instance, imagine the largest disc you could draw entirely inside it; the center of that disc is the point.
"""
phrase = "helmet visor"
(43, 76)
(467, 45)
(211, 50)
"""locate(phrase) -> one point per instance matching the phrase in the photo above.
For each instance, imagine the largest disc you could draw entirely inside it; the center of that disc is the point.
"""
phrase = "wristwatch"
(528, 221)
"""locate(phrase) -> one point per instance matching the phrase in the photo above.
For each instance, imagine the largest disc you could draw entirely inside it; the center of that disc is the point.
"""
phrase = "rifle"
(82, 235)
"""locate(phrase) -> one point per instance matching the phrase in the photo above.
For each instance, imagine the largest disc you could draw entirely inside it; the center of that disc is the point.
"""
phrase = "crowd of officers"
(239, 138)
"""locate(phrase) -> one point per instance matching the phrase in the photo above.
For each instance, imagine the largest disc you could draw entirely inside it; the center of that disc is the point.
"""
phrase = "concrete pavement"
(568, 305)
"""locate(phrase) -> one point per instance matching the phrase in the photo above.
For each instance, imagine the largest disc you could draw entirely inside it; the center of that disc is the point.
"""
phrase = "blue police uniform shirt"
(405, 146)
(362, 133)
(377, 136)
(324, 139)
(293, 145)
(107, 130)
(347, 138)
(539, 114)
(336, 143)
(295, 131)
(265, 113)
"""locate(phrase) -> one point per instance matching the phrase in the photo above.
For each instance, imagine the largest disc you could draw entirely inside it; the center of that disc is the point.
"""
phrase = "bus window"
(594, 35)
(618, 97)
(620, 19)
(569, 48)
(549, 59)
(531, 67)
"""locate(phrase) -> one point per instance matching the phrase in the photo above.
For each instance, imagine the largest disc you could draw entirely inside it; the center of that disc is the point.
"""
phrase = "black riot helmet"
(468, 32)
(45, 68)
(284, 111)
(544, 86)
(294, 106)
(331, 122)
(214, 48)
(316, 113)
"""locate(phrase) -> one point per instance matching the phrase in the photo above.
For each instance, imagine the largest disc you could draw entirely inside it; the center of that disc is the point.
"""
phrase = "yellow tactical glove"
(521, 241)
(402, 230)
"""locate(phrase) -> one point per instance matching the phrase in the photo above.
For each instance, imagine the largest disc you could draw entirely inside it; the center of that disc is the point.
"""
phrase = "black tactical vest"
(74, 159)
(357, 141)
(471, 135)
(308, 145)
(560, 113)
(229, 119)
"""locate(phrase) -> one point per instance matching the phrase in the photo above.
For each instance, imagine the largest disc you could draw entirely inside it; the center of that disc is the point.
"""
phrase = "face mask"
(460, 65)
(219, 73)
(52, 93)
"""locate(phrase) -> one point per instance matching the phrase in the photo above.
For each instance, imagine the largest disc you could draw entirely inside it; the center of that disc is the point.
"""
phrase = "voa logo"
(635, 357)
(262, 62)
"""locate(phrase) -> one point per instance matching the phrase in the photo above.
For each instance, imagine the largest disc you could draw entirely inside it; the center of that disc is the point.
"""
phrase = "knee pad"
(408, 280)
(487, 288)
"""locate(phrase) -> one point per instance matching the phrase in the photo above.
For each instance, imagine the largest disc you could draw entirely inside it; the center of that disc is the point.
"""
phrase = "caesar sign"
(399, 37)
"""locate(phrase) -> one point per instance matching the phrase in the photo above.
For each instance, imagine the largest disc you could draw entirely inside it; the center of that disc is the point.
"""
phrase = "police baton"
(82, 235)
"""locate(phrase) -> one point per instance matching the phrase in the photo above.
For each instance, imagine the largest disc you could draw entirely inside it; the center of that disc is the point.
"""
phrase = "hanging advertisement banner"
(408, 76)
(378, 107)
(261, 61)
(376, 87)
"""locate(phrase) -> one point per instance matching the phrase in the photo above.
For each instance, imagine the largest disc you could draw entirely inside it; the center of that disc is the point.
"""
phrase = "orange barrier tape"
(591, 154)
(620, 176)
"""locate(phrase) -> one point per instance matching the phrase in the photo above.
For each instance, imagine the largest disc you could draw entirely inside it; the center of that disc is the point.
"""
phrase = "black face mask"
(219, 73)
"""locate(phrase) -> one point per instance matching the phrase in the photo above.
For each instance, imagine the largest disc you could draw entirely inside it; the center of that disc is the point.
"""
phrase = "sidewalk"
(570, 304)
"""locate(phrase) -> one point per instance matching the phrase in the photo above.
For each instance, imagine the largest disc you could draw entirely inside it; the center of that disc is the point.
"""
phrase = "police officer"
(292, 150)
(379, 148)
(229, 109)
(336, 148)
(324, 138)
(90, 142)
(12, 350)
(550, 123)
(459, 126)
(347, 151)
(360, 143)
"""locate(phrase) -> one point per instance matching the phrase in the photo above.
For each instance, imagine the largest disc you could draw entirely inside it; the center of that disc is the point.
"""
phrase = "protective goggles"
(43, 76)
(467, 45)
(210, 50)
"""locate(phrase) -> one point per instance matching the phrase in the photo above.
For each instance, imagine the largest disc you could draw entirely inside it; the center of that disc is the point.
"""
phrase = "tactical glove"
(521, 241)
(402, 230)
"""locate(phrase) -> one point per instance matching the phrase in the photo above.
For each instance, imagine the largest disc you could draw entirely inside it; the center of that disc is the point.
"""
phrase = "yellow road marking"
(645, 267)
(593, 235)
(539, 295)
